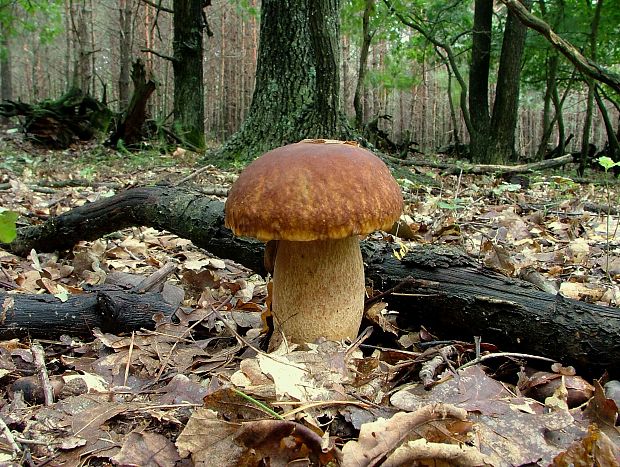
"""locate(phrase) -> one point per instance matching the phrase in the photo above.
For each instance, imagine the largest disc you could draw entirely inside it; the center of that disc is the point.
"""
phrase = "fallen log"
(46, 316)
(450, 293)
(469, 168)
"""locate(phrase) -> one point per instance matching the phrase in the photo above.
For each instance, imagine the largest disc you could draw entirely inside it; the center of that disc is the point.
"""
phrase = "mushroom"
(315, 197)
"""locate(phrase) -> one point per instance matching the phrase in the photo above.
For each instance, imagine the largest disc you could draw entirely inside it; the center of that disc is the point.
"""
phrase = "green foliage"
(41, 16)
(246, 9)
(8, 231)
(572, 21)
(607, 163)
(504, 187)
(453, 204)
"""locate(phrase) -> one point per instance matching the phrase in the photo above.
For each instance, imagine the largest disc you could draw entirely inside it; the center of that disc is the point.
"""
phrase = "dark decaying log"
(45, 316)
(451, 294)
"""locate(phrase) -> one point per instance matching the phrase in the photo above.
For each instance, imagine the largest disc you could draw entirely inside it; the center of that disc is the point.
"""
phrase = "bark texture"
(479, 80)
(297, 80)
(187, 65)
(506, 104)
(46, 317)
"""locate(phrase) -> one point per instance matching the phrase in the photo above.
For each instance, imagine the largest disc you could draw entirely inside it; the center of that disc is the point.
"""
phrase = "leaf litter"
(197, 390)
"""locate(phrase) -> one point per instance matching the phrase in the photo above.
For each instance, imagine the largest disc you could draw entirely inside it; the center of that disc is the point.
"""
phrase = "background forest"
(394, 64)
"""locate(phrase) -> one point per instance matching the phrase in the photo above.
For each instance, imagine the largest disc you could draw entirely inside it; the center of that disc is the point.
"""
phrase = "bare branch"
(158, 6)
(160, 55)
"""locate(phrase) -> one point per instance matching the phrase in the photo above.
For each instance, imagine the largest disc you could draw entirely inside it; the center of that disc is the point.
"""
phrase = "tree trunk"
(587, 121)
(612, 139)
(506, 105)
(6, 79)
(131, 128)
(324, 116)
(440, 288)
(363, 64)
(187, 65)
(82, 72)
(297, 84)
(479, 81)
(125, 32)
(551, 98)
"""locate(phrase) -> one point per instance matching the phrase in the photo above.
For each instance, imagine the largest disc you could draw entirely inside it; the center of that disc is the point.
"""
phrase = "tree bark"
(125, 32)
(479, 81)
(6, 76)
(451, 294)
(45, 316)
(367, 35)
(506, 105)
(444, 289)
(187, 65)
(131, 128)
(587, 119)
(297, 84)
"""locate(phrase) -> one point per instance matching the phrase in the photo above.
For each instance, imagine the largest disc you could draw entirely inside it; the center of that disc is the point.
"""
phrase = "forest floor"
(162, 398)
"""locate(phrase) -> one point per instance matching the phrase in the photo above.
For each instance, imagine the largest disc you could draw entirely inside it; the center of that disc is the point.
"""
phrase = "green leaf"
(454, 205)
(8, 231)
(607, 162)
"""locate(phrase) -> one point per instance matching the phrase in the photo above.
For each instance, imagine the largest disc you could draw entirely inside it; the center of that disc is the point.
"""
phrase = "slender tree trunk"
(82, 71)
(506, 105)
(85, 70)
(479, 80)
(68, 59)
(363, 64)
(587, 123)
(125, 9)
(612, 138)
(551, 93)
(297, 80)
(6, 76)
(187, 64)
(455, 138)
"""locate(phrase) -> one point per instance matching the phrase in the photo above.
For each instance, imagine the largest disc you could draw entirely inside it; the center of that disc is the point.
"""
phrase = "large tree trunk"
(297, 84)
(187, 65)
(506, 105)
(479, 81)
(440, 288)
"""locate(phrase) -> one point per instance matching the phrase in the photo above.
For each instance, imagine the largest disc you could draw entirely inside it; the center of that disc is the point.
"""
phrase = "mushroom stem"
(318, 289)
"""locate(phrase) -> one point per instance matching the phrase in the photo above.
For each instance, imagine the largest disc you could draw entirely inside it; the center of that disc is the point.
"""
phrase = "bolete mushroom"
(315, 197)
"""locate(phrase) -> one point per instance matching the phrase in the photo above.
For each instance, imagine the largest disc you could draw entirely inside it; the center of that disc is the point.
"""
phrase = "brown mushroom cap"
(313, 190)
